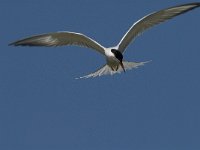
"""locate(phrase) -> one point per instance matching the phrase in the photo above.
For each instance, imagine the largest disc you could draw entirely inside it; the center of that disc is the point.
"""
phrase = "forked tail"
(106, 70)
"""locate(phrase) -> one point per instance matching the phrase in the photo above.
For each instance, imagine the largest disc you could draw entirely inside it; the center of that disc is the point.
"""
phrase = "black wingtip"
(11, 44)
(194, 3)
(19, 43)
(197, 4)
(16, 43)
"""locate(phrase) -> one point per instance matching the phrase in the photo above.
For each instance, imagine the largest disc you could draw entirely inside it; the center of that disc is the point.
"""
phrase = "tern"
(113, 55)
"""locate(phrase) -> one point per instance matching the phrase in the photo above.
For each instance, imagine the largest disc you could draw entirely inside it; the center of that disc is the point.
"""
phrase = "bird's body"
(110, 57)
(113, 55)
(112, 61)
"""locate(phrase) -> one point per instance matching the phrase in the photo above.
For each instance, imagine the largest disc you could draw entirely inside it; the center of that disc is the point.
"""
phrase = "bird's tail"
(106, 70)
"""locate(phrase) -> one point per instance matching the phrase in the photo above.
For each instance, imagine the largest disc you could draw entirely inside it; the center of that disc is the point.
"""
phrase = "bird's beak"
(122, 65)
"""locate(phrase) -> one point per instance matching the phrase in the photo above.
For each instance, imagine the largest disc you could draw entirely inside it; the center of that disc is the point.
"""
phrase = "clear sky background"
(43, 107)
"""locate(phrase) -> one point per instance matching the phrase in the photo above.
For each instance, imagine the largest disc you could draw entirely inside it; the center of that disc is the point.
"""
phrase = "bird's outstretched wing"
(153, 19)
(60, 39)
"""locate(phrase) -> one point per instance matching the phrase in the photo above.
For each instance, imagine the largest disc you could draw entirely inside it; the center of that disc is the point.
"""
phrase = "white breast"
(112, 61)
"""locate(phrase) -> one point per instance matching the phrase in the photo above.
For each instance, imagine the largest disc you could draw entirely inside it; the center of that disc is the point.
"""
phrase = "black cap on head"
(117, 54)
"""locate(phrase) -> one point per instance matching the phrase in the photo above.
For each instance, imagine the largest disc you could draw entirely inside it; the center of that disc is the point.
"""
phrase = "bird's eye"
(113, 50)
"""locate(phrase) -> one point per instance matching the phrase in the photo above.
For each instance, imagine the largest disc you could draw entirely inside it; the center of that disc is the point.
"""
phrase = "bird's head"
(119, 56)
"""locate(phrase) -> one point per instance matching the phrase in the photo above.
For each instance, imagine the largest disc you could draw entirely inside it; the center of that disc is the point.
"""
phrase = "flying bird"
(113, 55)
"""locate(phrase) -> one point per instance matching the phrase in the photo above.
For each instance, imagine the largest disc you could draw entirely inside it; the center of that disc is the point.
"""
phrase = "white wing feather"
(151, 20)
(60, 39)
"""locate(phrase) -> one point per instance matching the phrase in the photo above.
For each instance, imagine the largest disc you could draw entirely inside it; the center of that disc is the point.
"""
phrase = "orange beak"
(122, 65)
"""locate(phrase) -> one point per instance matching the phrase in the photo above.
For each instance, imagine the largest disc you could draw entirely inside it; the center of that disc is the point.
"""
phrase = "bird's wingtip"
(11, 44)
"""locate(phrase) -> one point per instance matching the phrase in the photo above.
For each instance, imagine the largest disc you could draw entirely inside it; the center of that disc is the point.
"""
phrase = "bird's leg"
(112, 68)
(117, 68)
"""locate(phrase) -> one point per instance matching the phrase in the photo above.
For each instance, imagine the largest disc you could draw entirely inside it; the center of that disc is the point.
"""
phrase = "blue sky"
(42, 106)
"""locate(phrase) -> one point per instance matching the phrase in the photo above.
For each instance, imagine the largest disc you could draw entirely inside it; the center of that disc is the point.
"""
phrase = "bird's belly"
(113, 63)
